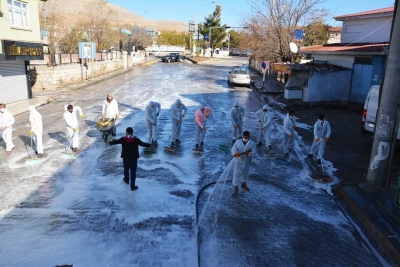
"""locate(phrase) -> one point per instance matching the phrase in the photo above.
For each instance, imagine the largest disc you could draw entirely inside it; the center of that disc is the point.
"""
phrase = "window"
(18, 12)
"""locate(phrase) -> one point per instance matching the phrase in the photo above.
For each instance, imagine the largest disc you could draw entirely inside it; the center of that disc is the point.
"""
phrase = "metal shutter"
(13, 82)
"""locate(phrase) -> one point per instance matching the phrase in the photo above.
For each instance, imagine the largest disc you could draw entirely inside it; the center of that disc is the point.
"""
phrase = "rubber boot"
(235, 190)
(244, 186)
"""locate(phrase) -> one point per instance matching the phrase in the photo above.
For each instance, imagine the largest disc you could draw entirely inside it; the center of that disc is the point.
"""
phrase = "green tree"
(316, 34)
(217, 34)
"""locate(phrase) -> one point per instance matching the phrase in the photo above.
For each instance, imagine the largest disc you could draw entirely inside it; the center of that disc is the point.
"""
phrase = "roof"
(381, 11)
(335, 29)
(374, 48)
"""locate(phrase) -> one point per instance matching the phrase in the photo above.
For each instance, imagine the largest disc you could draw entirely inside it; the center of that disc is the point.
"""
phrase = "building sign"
(281, 68)
(15, 50)
(87, 50)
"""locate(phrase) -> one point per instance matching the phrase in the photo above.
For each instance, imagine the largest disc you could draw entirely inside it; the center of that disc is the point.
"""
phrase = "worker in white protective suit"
(36, 131)
(73, 124)
(152, 111)
(237, 114)
(110, 110)
(264, 131)
(6, 122)
(289, 125)
(322, 132)
(200, 117)
(242, 150)
(177, 112)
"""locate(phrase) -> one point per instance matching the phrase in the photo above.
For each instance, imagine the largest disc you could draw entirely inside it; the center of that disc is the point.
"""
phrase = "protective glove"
(183, 115)
(237, 154)
(240, 117)
(102, 116)
(204, 128)
(81, 116)
(290, 135)
(317, 139)
(294, 126)
(117, 115)
(262, 128)
(31, 133)
(75, 129)
(259, 120)
(179, 120)
(234, 126)
(326, 138)
(157, 114)
(247, 153)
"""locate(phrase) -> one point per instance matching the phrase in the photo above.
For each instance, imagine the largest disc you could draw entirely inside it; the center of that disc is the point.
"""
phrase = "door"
(13, 81)
(360, 82)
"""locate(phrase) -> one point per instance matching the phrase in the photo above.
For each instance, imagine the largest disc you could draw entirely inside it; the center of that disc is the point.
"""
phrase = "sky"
(232, 10)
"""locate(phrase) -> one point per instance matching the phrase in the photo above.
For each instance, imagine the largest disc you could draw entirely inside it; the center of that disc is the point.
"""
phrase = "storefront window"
(18, 13)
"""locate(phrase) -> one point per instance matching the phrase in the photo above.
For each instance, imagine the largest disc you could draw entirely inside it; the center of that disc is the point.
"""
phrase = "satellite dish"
(293, 47)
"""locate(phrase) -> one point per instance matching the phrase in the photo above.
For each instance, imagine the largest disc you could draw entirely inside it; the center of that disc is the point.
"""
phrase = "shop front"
(15, 82)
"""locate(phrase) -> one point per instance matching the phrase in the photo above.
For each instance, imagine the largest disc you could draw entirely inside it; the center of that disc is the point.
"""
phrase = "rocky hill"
(72, 7)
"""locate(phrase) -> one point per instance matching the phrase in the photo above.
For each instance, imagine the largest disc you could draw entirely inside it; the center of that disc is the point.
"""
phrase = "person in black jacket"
(129, 154)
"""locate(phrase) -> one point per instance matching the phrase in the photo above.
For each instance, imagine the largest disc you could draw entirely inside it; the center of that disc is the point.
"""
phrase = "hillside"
(72, 7)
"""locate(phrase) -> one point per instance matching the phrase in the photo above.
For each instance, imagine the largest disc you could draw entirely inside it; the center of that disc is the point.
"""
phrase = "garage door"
(13, 83)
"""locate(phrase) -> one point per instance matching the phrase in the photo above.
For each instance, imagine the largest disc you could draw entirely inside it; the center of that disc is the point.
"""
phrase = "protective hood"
(31, 108)
(151, 104)
(235, 104)
(265, 107)
(200, 106)
(178, 102)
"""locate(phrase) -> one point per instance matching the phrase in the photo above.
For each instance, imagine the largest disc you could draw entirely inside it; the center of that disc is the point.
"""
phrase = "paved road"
(80, 212)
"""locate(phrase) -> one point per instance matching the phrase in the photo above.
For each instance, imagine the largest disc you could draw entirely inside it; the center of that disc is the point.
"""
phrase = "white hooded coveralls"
(242, 163)
(152, 111)
(6, 122)
(110, 109)
(321, 130)
(176, 114)
(288, 128)
(72, 123)
(265, 118)
(237, 115)
(36, 122)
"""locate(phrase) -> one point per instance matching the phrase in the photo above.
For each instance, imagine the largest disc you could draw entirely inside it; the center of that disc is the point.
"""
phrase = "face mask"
(265, 110)
(70, 111)
(245, 139)
(236, 107)
(178, 106)
(109, 98)
(291, 117)
(151, 107)
(2, 110)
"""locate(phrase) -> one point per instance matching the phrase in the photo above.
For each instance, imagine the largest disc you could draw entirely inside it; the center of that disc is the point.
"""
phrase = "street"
(80, 212)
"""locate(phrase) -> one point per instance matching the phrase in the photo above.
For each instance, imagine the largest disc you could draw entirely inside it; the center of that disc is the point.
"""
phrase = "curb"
(149, 63)
(382, 231)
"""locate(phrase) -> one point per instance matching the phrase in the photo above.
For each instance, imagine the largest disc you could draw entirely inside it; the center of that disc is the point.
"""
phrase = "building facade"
(363, 49)
(20, 42)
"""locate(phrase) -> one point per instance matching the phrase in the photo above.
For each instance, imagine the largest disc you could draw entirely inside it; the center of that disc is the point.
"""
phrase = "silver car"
(239, 75)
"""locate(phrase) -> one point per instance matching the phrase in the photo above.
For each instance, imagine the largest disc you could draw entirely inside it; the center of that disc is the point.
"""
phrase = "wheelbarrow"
(106, 127)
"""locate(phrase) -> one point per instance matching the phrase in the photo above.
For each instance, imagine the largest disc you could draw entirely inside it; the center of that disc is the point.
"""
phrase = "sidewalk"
(373, 206)
(38, 100)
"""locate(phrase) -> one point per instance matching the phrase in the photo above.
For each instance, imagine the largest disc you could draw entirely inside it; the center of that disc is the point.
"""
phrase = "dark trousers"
(130, 165)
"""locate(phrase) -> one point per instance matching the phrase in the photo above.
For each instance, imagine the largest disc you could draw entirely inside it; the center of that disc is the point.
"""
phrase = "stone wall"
(53, 78)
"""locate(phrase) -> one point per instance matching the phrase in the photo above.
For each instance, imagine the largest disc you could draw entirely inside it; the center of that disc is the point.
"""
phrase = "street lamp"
(205, 9)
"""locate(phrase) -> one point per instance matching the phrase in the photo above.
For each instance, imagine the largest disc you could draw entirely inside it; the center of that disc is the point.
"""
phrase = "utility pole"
(386, 119)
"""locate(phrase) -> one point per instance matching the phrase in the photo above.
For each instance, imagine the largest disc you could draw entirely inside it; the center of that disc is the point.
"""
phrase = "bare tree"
(273, 24)
(97, 22)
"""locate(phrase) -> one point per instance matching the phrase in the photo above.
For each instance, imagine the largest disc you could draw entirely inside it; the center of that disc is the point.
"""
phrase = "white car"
(239, 75)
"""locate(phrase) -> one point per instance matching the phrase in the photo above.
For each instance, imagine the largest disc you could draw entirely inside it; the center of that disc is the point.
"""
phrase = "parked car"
(239, 75)
(371, 106)
(173, 57)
